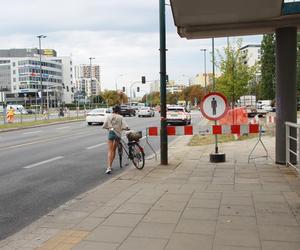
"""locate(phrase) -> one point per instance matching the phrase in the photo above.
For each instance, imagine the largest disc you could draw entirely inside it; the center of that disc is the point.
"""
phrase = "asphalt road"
(42, 168)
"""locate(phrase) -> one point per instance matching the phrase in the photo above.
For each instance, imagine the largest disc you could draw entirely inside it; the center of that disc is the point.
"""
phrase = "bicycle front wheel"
(138, 156)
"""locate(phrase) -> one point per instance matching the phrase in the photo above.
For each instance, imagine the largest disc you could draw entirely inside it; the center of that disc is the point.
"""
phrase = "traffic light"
(138, 89)
(167, 78)
(143, 79)
(123, 89)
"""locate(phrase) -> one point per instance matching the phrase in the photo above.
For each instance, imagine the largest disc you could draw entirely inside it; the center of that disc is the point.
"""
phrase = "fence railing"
(292, 153)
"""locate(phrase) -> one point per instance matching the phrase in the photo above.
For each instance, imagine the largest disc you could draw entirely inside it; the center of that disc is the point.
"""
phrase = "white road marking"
(44, 162)
(33, 132)
(63, 127)
(95, 146)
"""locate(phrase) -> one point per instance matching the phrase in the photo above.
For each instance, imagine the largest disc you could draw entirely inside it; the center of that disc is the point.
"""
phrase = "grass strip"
(39, 122)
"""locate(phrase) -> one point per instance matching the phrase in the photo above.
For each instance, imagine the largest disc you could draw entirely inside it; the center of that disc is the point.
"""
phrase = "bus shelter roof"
(220, 18)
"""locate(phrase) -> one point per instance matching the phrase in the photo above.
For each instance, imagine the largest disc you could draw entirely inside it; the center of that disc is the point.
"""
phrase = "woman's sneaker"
(108, 171)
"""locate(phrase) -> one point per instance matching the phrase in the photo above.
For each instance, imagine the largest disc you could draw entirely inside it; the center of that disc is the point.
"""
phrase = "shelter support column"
(286, 88)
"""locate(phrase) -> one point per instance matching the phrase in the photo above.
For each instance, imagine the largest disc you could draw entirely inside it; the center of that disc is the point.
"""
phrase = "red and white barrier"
(211, 129)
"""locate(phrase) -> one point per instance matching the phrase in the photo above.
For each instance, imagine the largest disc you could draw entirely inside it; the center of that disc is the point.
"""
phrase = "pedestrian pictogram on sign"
(214, 106)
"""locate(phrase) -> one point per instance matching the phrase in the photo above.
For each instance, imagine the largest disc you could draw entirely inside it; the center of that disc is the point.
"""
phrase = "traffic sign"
(214, 106)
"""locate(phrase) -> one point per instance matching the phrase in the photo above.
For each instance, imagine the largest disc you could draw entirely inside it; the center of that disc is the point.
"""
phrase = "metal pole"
(91, 101)
(214, 85)
(163, 94)
(41, 80)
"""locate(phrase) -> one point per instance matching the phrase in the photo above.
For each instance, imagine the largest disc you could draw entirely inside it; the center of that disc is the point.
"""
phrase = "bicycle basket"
(134, 135)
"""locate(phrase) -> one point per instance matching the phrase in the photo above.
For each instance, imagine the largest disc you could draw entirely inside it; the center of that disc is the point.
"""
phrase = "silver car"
(146, 111)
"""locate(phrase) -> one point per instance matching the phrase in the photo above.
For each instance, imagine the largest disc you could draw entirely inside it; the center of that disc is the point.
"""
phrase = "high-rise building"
(22, 81)
(251, 54)
(87, 80)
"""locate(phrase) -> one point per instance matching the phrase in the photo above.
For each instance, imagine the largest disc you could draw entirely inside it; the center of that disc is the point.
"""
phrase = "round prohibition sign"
(214, 106)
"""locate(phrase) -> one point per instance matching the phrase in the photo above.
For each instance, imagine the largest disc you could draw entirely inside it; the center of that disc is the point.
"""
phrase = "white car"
(97, 116)
(178, 115)
(146, 111)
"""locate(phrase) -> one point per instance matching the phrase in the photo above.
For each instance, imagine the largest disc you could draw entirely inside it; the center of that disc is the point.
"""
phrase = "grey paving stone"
(134, 243)
(196, 226)
(123, 220)
(222, 247)
(220, 187)
(91, 245)
(272, 207)
(169, 205)
(207, 195)
(175, 197)
(237, 210)
(236, 200)
(200, 213)
(153, 230)
(280, 245)
(268, 197)
(161, 216)
(89, 223)
(236, 222)
(272, 218)
(148, 199)
(134, 208)
(204, 203)
(237, 237)
(109, 234)
(180, 241)
(104, 211)
(248, 187)
(279, 233)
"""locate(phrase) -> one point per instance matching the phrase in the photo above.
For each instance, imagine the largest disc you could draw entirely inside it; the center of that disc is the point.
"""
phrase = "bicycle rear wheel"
(138, 156)
(120, 153)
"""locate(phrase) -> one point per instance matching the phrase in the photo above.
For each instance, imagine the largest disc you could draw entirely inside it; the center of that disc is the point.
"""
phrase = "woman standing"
(114, 123)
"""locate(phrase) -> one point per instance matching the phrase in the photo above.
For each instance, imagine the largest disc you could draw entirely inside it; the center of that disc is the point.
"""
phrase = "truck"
(249, 103)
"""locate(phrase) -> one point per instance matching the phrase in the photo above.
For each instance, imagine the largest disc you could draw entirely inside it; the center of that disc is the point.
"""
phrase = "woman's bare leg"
(112, 146)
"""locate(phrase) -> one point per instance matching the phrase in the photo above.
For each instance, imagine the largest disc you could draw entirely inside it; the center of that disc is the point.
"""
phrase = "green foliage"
(267, 89)
(237, 78)
(153, 98)
(193, 92)
(112, 97)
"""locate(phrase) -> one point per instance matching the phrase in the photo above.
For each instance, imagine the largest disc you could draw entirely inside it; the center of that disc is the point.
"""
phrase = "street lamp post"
(205, 81)
(41, 78)
(91, 58)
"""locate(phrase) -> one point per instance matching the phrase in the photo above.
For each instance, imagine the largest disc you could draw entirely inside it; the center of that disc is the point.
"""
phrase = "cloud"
(123, 36)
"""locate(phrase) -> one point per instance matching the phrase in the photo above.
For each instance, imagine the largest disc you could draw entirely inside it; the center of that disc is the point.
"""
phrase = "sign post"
(214, 107)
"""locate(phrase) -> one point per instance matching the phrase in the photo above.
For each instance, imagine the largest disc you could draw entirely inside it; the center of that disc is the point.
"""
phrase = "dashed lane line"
(43, 162)
(33, 132)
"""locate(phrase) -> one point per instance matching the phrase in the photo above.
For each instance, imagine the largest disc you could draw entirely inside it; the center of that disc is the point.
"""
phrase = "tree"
(236, 77)
(267, 88)
(193, 93)
(111, 97)
(153, 98)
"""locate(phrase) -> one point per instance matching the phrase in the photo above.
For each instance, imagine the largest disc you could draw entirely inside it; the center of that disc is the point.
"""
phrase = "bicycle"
(133, 149)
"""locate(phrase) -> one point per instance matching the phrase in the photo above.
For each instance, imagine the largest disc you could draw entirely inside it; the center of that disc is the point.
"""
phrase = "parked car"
(146, 111)
(127, 111)
(97, 115)
(178, 115)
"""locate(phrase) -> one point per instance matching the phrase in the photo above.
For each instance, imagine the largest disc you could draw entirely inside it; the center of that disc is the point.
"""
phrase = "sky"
(122, 36)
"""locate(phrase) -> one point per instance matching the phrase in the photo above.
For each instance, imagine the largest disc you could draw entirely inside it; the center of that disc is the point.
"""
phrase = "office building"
(23, 83)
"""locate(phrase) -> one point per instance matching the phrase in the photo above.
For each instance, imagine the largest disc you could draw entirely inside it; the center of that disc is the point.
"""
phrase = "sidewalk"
(189, 204)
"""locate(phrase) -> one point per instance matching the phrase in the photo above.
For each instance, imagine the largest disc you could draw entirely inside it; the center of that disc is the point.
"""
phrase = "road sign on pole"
(214, 106)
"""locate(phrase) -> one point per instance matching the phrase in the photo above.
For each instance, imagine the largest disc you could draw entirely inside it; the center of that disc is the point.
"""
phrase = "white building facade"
(24, 80)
